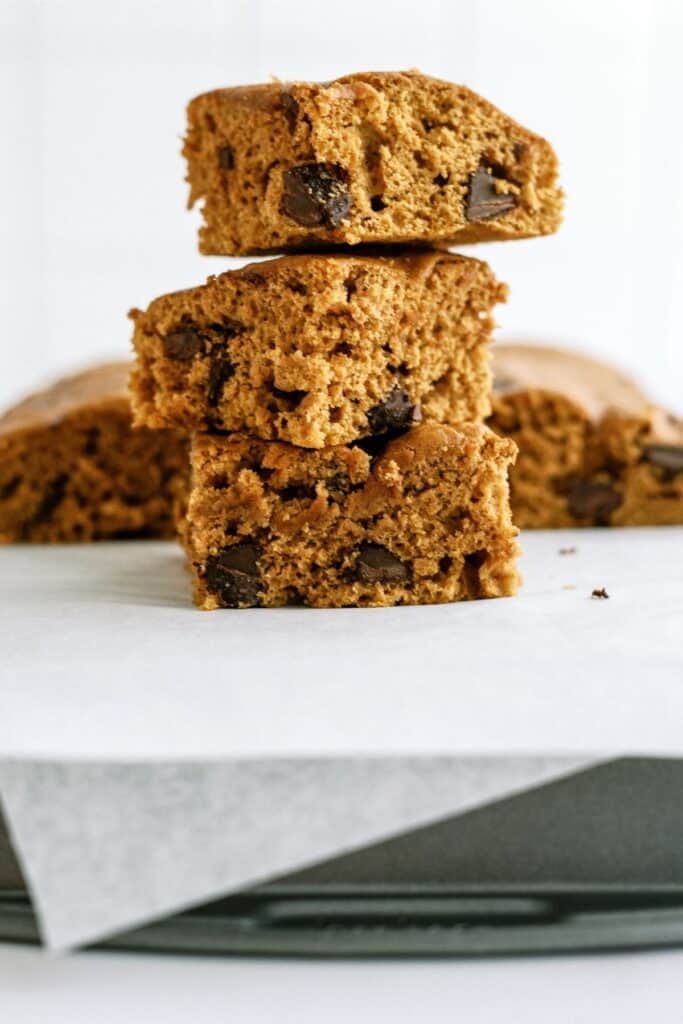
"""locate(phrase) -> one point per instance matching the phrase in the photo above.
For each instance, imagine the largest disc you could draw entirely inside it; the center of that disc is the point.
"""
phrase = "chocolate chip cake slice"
(426, 520)
(320, 350)
(592, 450)
(380, 157)
(73, 469)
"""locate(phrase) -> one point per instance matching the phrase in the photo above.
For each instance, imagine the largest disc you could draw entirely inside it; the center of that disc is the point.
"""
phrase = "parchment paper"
(156, 756)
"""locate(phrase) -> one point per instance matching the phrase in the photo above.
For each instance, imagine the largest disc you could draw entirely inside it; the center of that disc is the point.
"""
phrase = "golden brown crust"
(592, 450)
(400, 157)
(591, 385)
(318, 349)
(426, 521)
(73, 469)
(106, 383)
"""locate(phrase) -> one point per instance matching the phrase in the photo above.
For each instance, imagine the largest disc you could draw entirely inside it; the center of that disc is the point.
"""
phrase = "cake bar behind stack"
(593, 451)
(73, 469)
(424, 521)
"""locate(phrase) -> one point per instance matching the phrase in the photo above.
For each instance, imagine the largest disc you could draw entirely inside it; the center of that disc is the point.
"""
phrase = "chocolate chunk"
(441, 180)
(52, 497)
(316, 194)
(377, 204)
(667, 456)
(600, 592)
(472, 563)
(233, 575)
(593, 500)
(226, 158)
(182, 343)
(291, 399)
(290, 108)
(9, 488)
(483, 202)
(298, 492)
(396, 412)
(220, 371)
(376, 564)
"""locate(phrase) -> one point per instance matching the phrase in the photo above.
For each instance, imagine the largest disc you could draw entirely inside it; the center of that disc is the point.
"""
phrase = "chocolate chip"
(472, 563)
(483, 202)
(220, 371)
(298, 492)
(396, 412)
(226, 158)
(600, 592)
(377, 204)
(10, 487)
(52, 497)
(441, 180)
(233, 575)
(667, 456)
(376, 564)
(316, 194)
(290, 399)
(182, 343)
(593, 500)
(290, 108)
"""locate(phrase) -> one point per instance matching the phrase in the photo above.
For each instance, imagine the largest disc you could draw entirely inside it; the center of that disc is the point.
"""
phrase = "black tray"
(590, 862)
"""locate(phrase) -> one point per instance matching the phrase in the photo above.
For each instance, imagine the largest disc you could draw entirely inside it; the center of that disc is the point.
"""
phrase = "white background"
(92, 98)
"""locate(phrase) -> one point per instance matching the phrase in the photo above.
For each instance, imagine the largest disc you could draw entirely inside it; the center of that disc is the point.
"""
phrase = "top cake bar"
(378, 157)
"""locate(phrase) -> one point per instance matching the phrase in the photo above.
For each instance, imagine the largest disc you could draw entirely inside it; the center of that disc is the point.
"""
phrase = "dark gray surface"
(592, 861)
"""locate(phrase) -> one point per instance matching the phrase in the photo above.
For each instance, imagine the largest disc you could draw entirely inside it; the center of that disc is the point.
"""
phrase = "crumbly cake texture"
(320, 350)
(592, 450)
(374, 157)
(424, 521)
(73, 469)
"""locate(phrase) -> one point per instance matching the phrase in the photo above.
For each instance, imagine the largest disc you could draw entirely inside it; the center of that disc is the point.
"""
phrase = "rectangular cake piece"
(73, 469)
(377, 157)
(424, 521)
(319, 350)
(593, 451)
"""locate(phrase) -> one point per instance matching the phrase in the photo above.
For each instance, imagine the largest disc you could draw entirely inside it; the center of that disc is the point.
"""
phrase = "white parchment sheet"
(154, 756)
(105, 847)
(104, 656)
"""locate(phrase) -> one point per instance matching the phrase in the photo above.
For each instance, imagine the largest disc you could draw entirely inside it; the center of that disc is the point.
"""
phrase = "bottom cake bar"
(592, 450)
(424, 521)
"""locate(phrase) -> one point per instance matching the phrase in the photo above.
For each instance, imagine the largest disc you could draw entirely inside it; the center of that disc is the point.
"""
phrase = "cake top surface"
(594, 386)
(104, 383)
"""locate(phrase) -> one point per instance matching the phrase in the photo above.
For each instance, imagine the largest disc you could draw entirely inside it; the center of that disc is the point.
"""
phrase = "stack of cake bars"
(336, 395)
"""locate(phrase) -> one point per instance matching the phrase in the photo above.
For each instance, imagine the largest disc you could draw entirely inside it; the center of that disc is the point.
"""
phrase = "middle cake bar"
(320, 350)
